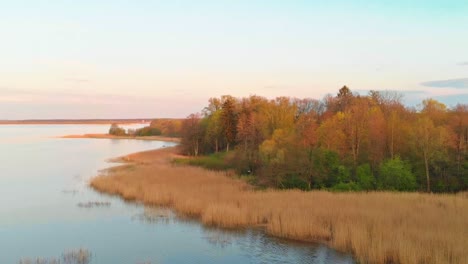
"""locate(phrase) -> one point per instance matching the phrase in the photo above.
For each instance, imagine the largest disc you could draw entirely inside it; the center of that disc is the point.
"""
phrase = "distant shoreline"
(107, 136)
(75, 121)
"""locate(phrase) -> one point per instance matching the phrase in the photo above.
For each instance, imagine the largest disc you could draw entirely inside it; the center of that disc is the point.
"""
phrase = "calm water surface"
(43, 180)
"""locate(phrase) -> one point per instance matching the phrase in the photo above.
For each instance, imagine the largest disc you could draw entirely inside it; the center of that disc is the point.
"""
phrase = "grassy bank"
(378, 227)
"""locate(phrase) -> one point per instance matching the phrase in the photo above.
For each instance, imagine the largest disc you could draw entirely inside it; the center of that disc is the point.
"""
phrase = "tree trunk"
(459, 156)
(392, 143)
(196, 148)
(426, 163)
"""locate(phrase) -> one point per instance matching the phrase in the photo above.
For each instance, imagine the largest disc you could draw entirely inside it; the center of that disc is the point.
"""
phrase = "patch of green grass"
(214, 161)
(249, 178)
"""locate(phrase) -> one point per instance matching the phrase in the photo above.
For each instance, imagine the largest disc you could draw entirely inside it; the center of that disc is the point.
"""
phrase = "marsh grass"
(76, 256)
(377, 227)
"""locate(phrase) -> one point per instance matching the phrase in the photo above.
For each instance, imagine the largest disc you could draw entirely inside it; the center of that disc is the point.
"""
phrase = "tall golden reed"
(377, 227)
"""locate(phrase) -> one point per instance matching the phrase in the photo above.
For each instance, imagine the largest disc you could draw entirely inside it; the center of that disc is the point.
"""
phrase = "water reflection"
(252, 244)
(260, 248)
(155, 215)
(219, 238)
(94, 204)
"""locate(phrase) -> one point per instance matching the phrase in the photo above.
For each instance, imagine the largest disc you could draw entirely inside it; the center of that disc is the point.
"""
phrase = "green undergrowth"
(216, 161)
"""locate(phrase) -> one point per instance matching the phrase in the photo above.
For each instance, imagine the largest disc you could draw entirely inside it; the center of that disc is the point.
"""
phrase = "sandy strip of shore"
(376, 227)
(108, 136)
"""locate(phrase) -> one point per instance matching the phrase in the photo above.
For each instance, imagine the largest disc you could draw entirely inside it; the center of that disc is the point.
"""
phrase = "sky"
(132, 59)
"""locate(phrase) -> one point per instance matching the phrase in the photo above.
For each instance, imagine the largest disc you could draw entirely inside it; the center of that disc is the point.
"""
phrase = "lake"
(47, 208)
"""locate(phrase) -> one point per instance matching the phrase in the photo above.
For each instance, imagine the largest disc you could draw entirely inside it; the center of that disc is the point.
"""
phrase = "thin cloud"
(451, 83)
(463, 63)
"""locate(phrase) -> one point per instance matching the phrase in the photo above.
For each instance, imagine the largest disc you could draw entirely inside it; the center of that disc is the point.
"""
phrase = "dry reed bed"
(378, 227)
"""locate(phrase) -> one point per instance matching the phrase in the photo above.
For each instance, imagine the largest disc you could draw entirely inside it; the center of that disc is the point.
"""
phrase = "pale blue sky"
(110, 59)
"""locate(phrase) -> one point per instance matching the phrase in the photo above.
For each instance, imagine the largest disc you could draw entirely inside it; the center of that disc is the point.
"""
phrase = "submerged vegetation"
(343, 142)
(377, 227)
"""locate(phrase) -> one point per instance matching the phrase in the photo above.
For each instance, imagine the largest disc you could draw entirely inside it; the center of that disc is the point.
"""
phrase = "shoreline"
(108, 136)
(366, 225)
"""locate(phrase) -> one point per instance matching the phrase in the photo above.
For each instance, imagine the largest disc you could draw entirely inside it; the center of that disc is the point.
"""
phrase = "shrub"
(346, 187)
(294, 182)
(396, 174)
(365, 178)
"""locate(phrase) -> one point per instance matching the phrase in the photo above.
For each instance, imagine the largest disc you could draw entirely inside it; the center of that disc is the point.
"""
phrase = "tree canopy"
(343, 142)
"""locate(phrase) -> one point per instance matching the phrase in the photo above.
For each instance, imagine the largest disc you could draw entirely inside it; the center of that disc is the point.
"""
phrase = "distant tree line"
(157, 127)
(342, 142)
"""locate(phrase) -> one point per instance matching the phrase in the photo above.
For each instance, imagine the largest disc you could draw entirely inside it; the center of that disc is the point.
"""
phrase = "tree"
(214, 104)
(284, 162)
(147, 131)
(168, 127)
(311, 107)
(435, 110)
(356, 126)
(305, 144)
(429, 141)
(280, 114)
(229, 120)
(376, 136)
(192, 134)
(251, 132)
(365, 178)
(249, 137)
(331, 135)
(344, 98)
(116, 130)
(395, 174)
(459, 125)
(394, 129)
(214, 130)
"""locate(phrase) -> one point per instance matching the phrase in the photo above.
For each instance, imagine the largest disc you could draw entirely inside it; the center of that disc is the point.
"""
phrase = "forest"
(346, 142)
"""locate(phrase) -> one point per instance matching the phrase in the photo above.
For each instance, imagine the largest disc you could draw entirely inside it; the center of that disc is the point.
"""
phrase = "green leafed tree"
(395, 174)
